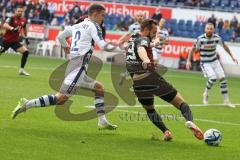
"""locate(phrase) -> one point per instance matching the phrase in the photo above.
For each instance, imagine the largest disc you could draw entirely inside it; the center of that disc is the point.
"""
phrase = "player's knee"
(26, 53)
(222, 79)
(61, 98)
(2, 49)
(212, 79)
(99, 88)
(148, 107)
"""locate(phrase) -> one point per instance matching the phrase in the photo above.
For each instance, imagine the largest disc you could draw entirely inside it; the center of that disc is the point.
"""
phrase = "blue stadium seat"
(215, 3)
(181, 22)
(234, 4)
(173, 21)
(189, 23)
(182, 28)
(225, 3)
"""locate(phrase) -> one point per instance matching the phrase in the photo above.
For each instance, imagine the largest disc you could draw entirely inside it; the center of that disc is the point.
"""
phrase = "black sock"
(24, 59)
(156, 120)
(186, 112)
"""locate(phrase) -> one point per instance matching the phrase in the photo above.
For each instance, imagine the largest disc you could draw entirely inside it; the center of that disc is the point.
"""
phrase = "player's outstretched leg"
(43, 101)
(209, 85)
(103, 123)
(179, 103)
(224, 91)
(156, 118)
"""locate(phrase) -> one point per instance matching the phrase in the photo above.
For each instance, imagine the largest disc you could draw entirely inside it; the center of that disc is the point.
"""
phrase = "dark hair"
(95, 7)
(147, 23)
(20, 6)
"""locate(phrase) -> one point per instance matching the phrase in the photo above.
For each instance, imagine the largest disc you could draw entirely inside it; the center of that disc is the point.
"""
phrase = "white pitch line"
(36, 68)
(168, 105)
(195, 119)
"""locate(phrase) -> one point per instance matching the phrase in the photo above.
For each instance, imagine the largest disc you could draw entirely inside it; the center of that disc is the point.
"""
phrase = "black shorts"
(13, 45)
(153, 85)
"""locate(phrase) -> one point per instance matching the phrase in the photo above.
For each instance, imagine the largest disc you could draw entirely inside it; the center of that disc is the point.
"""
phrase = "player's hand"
(235, 60)
(27, 41)
(188, 65)
(66, 50)
(148, 65)
(156, 42)
(16, 29)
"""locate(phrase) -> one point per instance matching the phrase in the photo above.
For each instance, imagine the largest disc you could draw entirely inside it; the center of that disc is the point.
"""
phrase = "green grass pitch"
(39, 135)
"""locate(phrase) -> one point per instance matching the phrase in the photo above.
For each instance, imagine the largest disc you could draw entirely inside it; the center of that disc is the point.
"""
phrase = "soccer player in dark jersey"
(14, 27)
(147, 83)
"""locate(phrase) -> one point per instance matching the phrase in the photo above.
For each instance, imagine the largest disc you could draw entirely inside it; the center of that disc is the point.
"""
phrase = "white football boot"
(22, 72)
(205, 98)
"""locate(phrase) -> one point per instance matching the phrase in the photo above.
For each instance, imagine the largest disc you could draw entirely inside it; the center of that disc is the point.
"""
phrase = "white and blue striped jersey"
(82, 34)
(134, 28)
(207, 47)
(163, 36)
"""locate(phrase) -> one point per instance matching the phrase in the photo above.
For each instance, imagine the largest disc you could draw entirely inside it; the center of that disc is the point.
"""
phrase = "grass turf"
(39, 134)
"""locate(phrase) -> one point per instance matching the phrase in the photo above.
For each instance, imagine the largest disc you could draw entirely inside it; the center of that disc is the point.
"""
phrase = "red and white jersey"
(14, 21)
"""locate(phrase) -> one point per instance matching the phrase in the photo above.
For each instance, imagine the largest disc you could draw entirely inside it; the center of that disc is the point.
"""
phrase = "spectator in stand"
(45, 14)
(226, 24)
(192, 3)
(170, 31)
(157, 15)
(155, 1)
(76, 12)
(212, 20)
(234, 22)
(54, 22)
(121, 26)
(51, 8)
(234, 37)
(220, 25)
(237, 30)
(183, 58)
(203, 4)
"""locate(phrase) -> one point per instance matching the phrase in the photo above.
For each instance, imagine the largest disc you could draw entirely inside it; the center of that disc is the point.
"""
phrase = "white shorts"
(213, 70)
(156, 54)
(76, 77)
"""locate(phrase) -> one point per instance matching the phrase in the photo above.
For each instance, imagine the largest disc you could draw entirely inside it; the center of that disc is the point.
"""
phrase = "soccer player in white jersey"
(133, 28)
(80, 51)
(211, 67)
(163, 37)
(123, 41)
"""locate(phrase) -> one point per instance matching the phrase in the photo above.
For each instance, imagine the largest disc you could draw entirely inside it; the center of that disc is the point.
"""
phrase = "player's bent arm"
(62, 37)
(142, 53)
(124, 38)
(96, 34)
(229, 52)
(106, 46)
(7, 26)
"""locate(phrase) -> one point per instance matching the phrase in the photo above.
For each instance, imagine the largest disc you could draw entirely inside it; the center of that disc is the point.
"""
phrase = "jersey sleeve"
(96, 33)
(63, 35)
(143, 42)
(130, 29)
(9, 20)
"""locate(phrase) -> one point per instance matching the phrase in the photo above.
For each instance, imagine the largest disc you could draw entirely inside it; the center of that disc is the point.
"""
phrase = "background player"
(147, 82)
(14, 27)
(206, 44)
(163, 36)
(80, 52)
